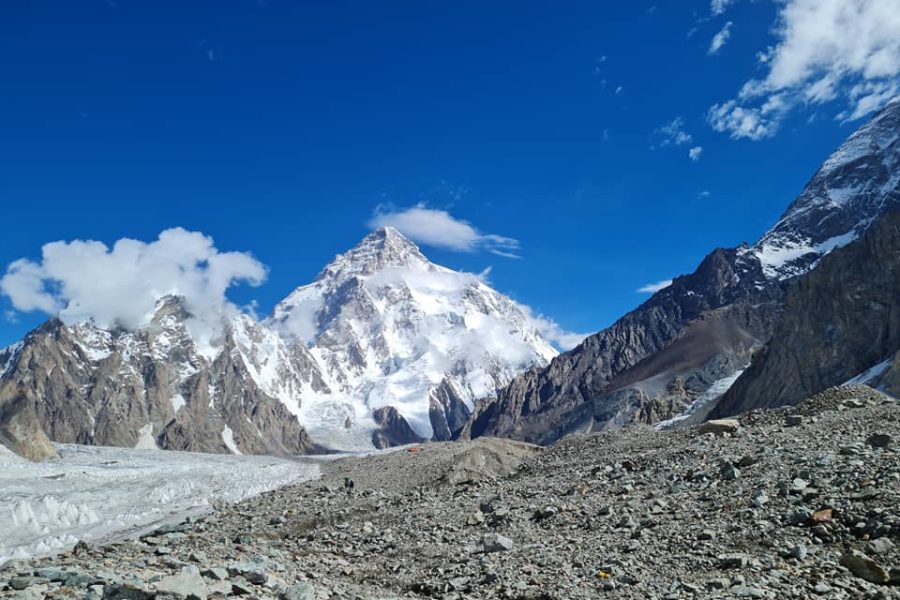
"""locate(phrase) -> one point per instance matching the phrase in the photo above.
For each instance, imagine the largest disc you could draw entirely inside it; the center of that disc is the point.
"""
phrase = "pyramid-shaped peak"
(384, 247)
(389, 236)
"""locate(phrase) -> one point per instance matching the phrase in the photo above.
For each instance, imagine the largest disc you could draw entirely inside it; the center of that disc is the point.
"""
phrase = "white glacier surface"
(95, 493)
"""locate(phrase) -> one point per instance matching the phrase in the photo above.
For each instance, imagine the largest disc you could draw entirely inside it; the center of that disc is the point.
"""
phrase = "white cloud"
(673, 133)
(695, 152)
(552, 331)
(652, 288)
(619, 90)
(705, 194)
(440, 229)
(120, 286)
(827, 50)
(717, 7)
(720, 39)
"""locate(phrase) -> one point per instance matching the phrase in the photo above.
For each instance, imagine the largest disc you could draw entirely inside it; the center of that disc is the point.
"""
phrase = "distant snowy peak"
(855, 186)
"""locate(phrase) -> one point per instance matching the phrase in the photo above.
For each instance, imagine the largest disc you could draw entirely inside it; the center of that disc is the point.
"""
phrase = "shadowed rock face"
(19, 427)
(704, 326)
(151, 387)
(839, 320)
(699, 329)
(393, 430)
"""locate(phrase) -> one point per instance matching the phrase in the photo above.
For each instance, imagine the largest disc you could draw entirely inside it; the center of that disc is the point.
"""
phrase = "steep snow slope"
(853, 187)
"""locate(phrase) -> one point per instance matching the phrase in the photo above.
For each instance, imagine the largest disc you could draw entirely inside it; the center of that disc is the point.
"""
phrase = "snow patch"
(178, 402)
(146, 440)
(713, 393)
(228, 438)
(871, 375)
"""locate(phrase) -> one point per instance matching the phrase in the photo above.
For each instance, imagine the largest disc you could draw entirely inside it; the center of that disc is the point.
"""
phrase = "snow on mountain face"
(390, 328)
(380, 327)
(857, 184)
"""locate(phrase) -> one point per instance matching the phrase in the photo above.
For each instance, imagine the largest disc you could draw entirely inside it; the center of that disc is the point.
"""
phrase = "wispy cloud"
(720, 39)
(673, 133)
(717, 7)
(440, 229)
(826, 50)
(695, 152)
(652, 288)
(552, 331)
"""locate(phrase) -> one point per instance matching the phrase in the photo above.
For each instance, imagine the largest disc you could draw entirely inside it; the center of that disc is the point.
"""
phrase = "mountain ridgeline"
(383, 348)
(673, 356)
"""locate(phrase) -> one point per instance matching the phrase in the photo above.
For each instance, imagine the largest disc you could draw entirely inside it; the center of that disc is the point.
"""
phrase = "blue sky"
(282, 128)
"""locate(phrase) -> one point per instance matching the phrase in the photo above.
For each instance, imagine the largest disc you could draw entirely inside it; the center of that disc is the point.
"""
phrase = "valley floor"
(802, 502)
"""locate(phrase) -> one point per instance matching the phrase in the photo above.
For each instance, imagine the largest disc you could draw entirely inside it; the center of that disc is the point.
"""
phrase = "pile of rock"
(795, 503)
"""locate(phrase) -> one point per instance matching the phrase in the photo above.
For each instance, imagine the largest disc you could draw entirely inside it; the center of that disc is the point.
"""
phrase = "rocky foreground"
(802, 502)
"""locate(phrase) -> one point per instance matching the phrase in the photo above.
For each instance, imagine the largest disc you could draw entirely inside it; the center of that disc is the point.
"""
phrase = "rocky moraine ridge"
(763, 506)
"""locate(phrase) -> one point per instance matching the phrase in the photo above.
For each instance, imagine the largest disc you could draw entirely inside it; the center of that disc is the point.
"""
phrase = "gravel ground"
(801, 502)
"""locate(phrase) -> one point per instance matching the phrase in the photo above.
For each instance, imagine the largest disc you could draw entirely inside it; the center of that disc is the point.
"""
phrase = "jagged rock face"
(390, 328)
(839, 320)
(20, 430)
(704, 327)
(700, 328)
(393, 430)
(154, 388)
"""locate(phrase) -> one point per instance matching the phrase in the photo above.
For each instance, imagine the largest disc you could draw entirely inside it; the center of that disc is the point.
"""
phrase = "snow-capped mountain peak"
(384, 247)
(383, 347)
(855, 186)
(392, 329)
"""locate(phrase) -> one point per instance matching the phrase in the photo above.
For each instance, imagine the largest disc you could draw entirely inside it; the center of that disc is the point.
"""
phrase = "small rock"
(821, 516)
(125, 591)
(298, 591)
(23, 582)
(793, 420)
(821, 588)
(185, 586)
(745, 591)
(494, 542)
(476, 518)
(720, 426)
(880, 440)
(736, 561)
(706, 534)
(864, 567)
(729, 472)
(253, 570)
(797, 551)
(215, 573)
(879, 546)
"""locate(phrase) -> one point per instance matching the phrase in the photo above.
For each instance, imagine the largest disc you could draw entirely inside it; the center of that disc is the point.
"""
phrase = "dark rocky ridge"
(652, 362)
(839, 320)
(700, 328)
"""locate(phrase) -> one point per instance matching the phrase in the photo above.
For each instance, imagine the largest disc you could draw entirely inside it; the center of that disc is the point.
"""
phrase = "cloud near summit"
(440, 229)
